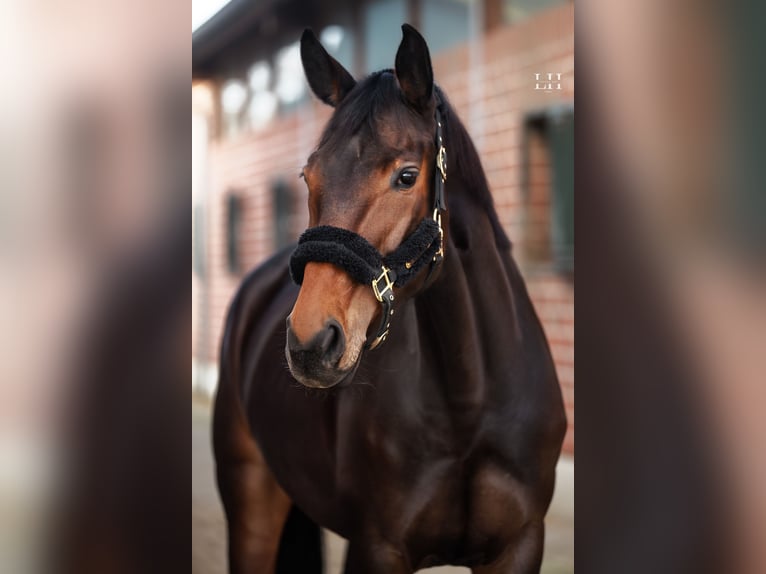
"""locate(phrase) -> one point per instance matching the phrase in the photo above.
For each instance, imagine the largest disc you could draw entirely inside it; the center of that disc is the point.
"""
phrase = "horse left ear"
(413, 69)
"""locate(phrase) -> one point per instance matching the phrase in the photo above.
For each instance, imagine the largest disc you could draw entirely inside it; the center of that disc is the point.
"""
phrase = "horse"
(418, 414)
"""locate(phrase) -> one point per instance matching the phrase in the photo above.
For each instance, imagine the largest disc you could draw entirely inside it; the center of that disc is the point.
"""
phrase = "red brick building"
(507, 67)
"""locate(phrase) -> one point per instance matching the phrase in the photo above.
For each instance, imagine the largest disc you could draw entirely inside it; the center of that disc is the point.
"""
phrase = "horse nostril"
(331, 343)
(293, 344)
(323, 351)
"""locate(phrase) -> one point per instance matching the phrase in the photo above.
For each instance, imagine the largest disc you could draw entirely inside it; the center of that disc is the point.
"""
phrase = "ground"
(209, 530)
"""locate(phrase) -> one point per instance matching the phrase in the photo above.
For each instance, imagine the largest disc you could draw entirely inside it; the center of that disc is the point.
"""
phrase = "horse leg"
(256, 511)
(523, 557)
(383, 558)
(255, 505)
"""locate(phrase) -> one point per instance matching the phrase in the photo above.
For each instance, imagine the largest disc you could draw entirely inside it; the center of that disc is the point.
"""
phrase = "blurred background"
(508, 68)
(94, 329)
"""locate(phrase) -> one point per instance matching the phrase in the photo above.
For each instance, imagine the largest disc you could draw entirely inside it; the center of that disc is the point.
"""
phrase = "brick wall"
(491, 84)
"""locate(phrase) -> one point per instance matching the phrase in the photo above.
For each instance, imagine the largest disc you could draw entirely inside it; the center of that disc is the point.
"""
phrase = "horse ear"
(413, 69)
(328, 79)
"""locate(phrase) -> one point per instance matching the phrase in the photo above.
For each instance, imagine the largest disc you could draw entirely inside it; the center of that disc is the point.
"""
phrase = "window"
(382, 32)
(283, 213)
(561, 137)
(444, 23)
(233, 232)
(290, 86)
(263, 102)
(234, 96)
(515, 11)
(549, 189)
(275, 82)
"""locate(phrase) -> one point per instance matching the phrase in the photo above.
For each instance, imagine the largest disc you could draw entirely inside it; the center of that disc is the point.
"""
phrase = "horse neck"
(469, 308)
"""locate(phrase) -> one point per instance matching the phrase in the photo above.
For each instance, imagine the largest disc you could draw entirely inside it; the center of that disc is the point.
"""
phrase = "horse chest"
(439, 507)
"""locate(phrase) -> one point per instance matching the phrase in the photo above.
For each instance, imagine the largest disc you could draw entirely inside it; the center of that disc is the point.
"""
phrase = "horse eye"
(407, 178)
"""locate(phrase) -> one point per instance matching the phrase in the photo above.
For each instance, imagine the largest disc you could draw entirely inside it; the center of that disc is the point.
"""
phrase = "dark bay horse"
(440, 445)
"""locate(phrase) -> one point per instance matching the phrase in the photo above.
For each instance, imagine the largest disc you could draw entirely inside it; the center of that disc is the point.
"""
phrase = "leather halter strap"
(423, 248)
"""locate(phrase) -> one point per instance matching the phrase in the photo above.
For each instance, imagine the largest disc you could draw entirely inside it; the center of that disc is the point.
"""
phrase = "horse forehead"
(349, 162)
(402, 133)
(391, 125)
(356, 160)
(373, 150)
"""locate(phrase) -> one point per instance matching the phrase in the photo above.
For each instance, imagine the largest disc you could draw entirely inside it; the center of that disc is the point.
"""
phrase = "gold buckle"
(388, 288)
(441, 162)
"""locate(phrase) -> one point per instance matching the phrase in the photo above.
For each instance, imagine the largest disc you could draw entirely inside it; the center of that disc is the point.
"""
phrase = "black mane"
(462, 156)
(378, 95)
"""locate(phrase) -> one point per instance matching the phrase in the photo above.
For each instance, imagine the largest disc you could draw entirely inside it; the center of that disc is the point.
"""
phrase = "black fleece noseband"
(423, 248)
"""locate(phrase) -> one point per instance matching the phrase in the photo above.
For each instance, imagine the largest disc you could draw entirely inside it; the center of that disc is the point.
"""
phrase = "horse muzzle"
(315, 363)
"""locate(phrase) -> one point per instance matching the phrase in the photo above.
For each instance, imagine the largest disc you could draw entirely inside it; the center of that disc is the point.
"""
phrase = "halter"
(365, 264)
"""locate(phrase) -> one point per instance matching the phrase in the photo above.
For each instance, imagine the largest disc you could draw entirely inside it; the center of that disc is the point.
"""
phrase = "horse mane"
(378, 95)
(461, 153)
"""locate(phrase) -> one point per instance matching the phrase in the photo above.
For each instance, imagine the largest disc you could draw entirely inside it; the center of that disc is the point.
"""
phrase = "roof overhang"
(230, 24)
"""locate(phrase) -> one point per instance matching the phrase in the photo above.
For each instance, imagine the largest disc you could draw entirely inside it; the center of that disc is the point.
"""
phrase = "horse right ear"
(328, 79)
(413, 69)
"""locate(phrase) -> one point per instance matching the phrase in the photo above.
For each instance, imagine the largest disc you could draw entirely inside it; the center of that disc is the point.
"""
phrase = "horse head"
(370, 175)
